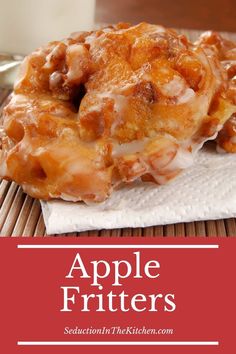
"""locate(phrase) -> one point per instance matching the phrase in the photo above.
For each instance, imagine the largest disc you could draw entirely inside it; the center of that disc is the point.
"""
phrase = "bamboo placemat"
(20, 215)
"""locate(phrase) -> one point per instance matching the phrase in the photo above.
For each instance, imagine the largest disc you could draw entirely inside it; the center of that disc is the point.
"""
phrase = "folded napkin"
(205, 191)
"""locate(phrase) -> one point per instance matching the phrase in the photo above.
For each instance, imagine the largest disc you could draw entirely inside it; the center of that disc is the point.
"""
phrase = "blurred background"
(21, 29)
(200, 14)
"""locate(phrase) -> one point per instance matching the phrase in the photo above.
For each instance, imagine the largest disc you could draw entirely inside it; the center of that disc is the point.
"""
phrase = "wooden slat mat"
(20, 215)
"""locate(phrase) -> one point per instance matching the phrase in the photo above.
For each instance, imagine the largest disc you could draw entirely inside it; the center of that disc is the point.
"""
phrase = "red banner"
(70, 295)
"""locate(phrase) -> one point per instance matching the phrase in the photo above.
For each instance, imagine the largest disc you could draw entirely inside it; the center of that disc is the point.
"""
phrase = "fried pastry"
(111, 106)
(226, 53)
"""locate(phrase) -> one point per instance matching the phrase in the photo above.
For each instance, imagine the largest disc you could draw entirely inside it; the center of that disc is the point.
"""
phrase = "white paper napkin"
(205, 191)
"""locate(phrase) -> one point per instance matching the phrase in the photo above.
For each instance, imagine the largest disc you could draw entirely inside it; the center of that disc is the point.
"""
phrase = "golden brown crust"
(110, 106)
(226, 53)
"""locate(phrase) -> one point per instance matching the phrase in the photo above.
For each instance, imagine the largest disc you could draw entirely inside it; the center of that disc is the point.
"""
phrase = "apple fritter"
(111, 106)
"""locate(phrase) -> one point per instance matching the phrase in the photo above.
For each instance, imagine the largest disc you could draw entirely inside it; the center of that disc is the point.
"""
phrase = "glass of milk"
(28, 24)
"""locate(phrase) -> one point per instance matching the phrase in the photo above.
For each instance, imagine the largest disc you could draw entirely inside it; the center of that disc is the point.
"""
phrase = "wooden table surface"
(219, 15)
(20, 215)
